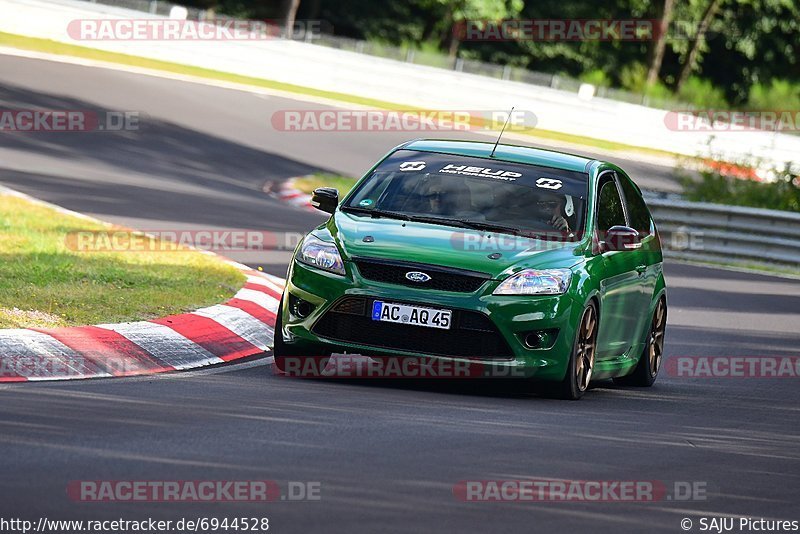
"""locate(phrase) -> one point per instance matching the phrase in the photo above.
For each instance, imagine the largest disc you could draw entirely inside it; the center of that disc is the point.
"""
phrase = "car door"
(620, 277)
(648, 255)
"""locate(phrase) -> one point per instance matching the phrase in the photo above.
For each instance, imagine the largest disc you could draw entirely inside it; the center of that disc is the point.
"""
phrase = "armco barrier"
(715, 232)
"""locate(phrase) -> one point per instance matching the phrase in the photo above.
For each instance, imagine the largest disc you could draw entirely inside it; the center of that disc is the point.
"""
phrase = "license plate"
(414, 315)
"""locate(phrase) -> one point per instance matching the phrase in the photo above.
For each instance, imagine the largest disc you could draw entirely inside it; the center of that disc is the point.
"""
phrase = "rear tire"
(650, 360)
(581, 361)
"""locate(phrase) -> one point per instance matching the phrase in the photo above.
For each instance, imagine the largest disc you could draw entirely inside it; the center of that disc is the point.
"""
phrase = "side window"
(637, 209)
(609, 207)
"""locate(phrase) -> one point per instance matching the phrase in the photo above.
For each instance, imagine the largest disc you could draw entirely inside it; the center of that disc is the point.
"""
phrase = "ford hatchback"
(537, 262)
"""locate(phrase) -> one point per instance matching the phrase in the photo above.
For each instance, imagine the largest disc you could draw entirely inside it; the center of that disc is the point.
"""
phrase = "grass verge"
(307, 184)
(44, 282)
(55, 47)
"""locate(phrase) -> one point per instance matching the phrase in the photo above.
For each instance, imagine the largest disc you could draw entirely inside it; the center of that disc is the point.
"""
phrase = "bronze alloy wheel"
(646, 371)
(655, 341)
(585, 348)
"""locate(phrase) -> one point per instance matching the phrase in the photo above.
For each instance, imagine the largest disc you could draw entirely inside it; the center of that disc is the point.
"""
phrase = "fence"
(727, 234)
(419, 57)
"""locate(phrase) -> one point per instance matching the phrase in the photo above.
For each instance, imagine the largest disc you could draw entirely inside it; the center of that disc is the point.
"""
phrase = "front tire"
(581, 361)
(650, 360)
(283, 353)
(279, 349)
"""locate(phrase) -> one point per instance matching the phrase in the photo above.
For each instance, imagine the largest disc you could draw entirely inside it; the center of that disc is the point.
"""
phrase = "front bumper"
(511, 318)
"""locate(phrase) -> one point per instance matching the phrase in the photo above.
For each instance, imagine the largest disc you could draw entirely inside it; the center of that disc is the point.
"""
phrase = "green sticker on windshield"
(366, 202)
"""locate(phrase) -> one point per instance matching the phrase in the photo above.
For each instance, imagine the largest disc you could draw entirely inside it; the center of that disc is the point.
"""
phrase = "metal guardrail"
(713, 232)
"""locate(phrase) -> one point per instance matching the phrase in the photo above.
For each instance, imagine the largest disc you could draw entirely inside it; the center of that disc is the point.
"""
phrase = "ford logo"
(416, 276)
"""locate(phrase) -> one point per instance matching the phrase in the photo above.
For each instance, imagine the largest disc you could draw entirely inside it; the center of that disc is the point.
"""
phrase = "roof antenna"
(501, 132)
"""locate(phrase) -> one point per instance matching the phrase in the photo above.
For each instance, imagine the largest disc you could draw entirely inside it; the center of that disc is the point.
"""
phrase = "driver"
(452, 198)
(552, 211)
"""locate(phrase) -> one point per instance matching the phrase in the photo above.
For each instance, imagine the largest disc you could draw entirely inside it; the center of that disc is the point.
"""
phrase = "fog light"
(540, 339)
(300, 308)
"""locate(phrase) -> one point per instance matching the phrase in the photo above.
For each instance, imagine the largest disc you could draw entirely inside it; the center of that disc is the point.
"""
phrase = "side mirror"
(621, 238)
(325, 199)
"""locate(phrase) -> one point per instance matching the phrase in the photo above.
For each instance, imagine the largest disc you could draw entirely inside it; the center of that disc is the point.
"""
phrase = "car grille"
(472, 335)
(442, 278)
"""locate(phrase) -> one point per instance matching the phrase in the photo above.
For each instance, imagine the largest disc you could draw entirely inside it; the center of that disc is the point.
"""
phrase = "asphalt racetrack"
(386, 454)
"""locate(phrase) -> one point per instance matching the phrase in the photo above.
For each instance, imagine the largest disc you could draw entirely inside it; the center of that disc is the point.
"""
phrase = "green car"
(543, 264)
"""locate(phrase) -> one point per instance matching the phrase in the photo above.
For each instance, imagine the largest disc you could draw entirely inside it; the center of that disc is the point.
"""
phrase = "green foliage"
(749, 43)
(702, 94)
(783, 194)
(596, 77)
(633, 77)
(779, 95)
(475, 9)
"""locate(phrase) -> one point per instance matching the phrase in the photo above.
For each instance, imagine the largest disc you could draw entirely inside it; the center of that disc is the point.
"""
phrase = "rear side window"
(638, 213)
(609, 207)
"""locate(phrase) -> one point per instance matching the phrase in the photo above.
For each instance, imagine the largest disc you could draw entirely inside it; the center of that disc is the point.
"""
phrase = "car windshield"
(475, 193)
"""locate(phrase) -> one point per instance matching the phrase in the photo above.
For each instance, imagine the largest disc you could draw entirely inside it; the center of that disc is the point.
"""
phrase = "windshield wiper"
(377, 213)
(403, 216)
(437, 220)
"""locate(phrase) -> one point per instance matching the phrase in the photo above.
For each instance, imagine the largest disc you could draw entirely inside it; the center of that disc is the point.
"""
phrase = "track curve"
(387, 455)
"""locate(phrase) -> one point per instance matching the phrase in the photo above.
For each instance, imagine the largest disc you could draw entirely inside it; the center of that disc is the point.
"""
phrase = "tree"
(458, 12)
(691, 58)
(660, 43)
(290, 17)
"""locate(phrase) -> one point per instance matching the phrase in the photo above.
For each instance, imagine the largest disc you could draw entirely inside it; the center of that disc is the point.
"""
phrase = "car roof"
(514, 153)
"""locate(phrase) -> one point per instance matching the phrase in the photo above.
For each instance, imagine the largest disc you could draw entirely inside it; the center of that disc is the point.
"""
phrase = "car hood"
(446, 246)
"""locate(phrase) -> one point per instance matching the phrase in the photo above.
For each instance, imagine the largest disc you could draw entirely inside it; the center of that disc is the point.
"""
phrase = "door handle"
(641, 269)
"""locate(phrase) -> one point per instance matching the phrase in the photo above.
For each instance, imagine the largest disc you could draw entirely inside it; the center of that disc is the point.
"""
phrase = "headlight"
(321, 255)
(536, 282)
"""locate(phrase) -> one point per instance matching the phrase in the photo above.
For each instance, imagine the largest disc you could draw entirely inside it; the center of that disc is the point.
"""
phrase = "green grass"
(307, 184)
(44, 282)
(54, 47)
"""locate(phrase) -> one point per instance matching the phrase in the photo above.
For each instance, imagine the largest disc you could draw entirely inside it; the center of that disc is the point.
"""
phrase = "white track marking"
(240, 323)
(165, 344)
(258, 297)
(38, 356)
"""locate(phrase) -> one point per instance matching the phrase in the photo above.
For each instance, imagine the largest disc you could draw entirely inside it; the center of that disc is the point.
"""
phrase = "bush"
(633, 77)
(782, 194)
(702, 94)
(596, 77)
(780, 94)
